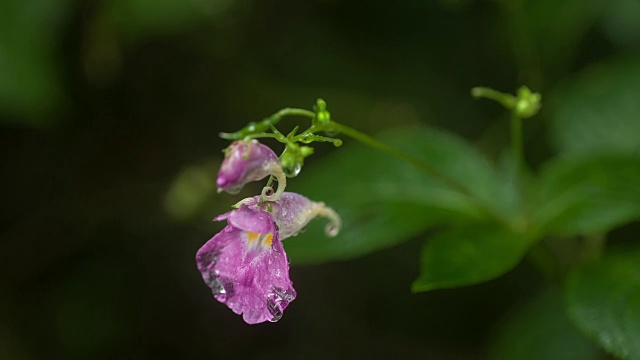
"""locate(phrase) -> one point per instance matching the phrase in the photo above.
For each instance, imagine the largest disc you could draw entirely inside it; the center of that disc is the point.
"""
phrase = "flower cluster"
(245, 264)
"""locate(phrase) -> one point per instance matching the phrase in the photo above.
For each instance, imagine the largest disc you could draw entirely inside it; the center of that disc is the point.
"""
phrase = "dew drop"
(294, 170)
(216, 286)
(274, 310)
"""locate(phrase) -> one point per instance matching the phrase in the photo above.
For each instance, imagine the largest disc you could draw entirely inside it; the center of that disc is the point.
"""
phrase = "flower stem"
(516, 140)
(276, 171)
(370, 141)
(446, 180)
(507, 100)
(266, 123)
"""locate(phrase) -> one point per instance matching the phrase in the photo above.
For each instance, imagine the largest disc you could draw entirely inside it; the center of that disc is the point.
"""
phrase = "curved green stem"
(370, 141)
(261, 136)
(455, 185)
(508, 101)
(331, 126)
(276, 172)
(266, 123)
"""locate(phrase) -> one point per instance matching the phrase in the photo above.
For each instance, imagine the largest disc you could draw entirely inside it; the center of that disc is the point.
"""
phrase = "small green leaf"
(588, 194)
(384, 200)
(541, 329)
(468, 255)
(599, 110)
(603, 298)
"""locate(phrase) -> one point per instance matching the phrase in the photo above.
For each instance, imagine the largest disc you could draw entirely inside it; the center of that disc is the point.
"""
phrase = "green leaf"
(365, 230)
(541, 329)
(599, 110)
(384, 200)
(588, 194)
(468, 255)
(603, 298)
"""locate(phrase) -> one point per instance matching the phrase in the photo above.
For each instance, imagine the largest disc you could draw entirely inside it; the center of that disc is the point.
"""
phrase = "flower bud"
(244, 162)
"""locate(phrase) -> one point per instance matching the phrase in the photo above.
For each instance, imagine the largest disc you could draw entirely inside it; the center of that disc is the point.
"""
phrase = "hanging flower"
(244, 162)
(245, 264)
(247, 161)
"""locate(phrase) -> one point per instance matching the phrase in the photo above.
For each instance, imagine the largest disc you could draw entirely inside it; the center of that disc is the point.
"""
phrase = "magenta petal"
(252, 218)
(209, 255)
(289, 206)
(292, 212)
(245, 161)
(253, 282)
(224, 216)
(245, 264)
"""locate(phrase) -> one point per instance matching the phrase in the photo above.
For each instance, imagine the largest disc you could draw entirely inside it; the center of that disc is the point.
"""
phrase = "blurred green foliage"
(541, 329)
(597, 111)
(603, 299)
(31, 88)
(110, 111)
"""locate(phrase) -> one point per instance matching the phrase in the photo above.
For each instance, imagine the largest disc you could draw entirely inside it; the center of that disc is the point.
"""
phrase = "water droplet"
(294, 170)
(221, 288)
(283, 294)
(233, 191)
(216, 286)
(274, 310)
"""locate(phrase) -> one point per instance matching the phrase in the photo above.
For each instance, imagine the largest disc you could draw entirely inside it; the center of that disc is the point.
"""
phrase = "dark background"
(109, 115)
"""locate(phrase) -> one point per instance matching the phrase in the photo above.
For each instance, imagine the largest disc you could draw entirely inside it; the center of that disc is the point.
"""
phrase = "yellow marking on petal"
(251, 236)
(267, 241)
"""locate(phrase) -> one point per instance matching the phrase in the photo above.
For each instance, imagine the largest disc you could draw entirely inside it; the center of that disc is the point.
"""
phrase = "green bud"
(322, 115)
(291, 160)
(528, 103)
(525, 104)
(306, 151)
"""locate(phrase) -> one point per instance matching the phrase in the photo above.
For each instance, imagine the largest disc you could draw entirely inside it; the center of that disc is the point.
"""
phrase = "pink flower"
(245, 264)
(244, 162)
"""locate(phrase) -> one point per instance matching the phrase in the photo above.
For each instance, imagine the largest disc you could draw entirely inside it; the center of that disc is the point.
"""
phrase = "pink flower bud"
(244, 162)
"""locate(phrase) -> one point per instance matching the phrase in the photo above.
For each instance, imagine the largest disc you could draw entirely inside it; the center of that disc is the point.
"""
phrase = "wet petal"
(292, 212)
(249, 216)
(244, 162)
(249, 272)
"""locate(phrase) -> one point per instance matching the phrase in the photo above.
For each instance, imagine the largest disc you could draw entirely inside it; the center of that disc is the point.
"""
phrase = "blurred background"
(109, 115)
